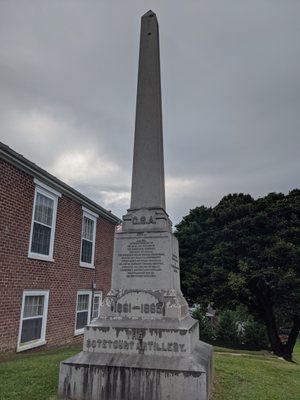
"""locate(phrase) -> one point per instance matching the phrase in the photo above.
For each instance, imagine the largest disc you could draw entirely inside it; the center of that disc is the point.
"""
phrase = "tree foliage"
(254, 335)
(246, 251)
(227, 329)
(206, 329)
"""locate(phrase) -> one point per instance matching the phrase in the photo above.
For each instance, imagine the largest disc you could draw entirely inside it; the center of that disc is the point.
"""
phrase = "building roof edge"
(16, 159)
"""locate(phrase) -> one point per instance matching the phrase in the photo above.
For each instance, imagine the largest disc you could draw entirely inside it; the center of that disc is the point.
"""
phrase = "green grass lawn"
(255, 376)
(32, 376)
(250, 376)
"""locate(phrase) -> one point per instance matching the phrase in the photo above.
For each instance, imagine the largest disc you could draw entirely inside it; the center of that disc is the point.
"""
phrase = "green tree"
(246, 251)
(206, 330)
(227, 329)
(254, 334)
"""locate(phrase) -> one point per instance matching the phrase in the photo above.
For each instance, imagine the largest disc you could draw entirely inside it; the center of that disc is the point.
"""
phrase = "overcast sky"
(230, 83)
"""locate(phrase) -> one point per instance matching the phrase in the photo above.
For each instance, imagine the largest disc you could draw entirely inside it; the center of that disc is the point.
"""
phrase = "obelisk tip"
(149, 14)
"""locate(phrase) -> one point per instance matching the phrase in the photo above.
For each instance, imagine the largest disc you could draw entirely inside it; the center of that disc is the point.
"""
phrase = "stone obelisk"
(145, 345)
(148, 188)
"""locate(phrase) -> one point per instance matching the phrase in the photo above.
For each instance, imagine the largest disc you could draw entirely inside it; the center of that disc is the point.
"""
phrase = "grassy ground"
(255, 376)
(32, 376)
(238, 375)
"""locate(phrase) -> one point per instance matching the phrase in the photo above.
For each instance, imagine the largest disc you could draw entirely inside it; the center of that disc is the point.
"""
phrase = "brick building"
(56, 249)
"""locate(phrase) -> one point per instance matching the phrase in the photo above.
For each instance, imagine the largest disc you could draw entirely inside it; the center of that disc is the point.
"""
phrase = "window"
(83, 311)
(88, 236)
(33, 319)
(86, 310)
(96, 305)
(43, 223)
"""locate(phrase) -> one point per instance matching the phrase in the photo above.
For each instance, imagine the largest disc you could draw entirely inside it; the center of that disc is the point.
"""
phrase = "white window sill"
(40, 257)
(30, 345)
(79, 332)
(84, 265)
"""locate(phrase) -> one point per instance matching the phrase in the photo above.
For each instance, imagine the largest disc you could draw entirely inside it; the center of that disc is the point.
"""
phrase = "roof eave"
(32, 169)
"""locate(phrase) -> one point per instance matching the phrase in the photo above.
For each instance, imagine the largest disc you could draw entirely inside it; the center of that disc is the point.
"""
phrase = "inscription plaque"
(134, 305)
(141, 258)
(135, 345)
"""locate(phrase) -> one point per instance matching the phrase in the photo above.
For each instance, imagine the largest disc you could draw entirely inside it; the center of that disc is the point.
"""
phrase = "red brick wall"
(63, 277)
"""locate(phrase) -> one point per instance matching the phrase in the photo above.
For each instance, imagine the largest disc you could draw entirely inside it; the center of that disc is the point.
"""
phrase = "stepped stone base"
(106, 376)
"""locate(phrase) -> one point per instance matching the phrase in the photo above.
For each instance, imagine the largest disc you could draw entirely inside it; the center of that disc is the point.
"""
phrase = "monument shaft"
(145, 345)
(148, 165)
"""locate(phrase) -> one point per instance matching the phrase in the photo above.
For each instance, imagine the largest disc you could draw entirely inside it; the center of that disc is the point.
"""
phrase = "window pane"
(88, 229)
(83, 302)
(43, 209)
(96, 306)
(81, 320)
(86, 251)
(34, 306)
(40, 239)
(31, 329)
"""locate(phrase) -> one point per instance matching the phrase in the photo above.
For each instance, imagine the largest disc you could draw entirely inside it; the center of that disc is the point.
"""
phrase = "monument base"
(106, 376)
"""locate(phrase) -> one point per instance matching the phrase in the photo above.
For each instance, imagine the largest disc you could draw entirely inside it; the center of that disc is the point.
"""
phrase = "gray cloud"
(231, 94)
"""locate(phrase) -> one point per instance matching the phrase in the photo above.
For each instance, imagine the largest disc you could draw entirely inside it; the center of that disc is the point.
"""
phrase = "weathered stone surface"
(88, 376)
(145, 345)
(151, 337)
(146, 220)
(144, 304)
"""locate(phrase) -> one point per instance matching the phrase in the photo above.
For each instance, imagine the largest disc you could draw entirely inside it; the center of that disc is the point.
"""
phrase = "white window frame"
(96, 294)
(42, 340)
(53, 195)
(84, 292)
(93, 216)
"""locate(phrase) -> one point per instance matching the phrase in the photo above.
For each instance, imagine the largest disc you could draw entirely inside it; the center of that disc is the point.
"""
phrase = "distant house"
(56, 249)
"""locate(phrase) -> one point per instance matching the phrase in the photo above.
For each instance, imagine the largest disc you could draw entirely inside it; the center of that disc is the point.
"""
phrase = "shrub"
(206, 330)
(236, 329)
(254, 334)
(227, 329)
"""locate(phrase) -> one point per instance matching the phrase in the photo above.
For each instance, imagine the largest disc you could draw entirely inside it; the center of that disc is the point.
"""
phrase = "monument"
(145, 345)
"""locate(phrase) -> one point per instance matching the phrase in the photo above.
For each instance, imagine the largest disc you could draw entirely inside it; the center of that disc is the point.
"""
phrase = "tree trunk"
(284, 350)
(276, 344)
(293, 334)
(280, 349)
